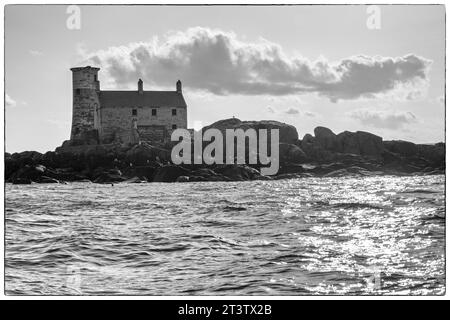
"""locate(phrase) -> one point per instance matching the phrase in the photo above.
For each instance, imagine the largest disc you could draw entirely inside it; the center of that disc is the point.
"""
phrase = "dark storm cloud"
(218, 62)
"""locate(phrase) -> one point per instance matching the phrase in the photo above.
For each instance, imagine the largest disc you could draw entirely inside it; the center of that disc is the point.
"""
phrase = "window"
(174, 126)
(77, 92)
(134, 112)
(153, 112)
(174, 112)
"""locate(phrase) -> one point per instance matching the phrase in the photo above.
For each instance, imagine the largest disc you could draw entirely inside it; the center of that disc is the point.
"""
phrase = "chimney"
(179, 86)
(140, 86)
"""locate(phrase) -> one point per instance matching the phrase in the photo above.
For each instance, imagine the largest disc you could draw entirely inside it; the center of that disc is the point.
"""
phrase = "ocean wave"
(326, 236)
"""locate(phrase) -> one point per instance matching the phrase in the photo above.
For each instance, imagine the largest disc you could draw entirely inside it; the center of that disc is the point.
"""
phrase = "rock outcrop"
(287, 132)
(325, 154)
(360, 143)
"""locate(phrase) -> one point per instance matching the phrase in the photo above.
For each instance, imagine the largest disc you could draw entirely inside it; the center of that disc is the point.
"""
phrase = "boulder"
(307, 140)
(360, 143)
(403, 148)
(27, 157)
(134, 180)
(349, 158)
(435, 153)
(139, 155)
(45, 179)
(238, 172)
(287, 133)
(143, 172)
(290, 168)
(80, 157)
(314, 151)
(204, 172)
(143, 154)
(390, 157)
(16, 161)
(324, 169)
(291, 153)
(182, 179)
(38, 173)
(348, 142)
(326, 138)
(369, 144)
(169, 173)
(28, 173)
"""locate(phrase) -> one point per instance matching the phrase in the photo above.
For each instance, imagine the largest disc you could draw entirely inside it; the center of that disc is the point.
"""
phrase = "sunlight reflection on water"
(377, 235)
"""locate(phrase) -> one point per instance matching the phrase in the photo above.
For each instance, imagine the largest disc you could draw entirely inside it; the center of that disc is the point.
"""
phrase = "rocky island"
(324, 154)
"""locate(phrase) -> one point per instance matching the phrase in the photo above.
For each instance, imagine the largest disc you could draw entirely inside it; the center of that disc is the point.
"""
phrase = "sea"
(382, 235)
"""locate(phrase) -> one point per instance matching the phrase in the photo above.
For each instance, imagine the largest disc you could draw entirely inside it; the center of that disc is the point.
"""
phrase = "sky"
(307, 66)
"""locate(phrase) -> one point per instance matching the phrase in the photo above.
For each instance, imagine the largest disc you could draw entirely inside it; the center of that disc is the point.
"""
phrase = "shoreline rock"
(325, 154)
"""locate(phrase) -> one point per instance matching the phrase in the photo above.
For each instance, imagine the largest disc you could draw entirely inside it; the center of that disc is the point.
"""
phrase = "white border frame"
(193, 298)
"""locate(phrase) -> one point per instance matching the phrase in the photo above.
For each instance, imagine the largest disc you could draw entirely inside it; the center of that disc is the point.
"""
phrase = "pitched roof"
(117, 99)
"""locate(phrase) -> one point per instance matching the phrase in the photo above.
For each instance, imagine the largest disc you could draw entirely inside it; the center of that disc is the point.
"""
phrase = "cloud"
(292, 111)
(384, 119)
(36, 53)
(310, 114)
(220, 63)
(9, 102)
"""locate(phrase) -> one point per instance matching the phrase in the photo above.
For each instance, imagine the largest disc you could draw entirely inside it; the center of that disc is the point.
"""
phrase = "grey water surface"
(312, 236)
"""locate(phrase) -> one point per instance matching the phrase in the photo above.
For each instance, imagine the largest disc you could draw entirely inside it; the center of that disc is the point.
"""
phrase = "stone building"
(103, 116)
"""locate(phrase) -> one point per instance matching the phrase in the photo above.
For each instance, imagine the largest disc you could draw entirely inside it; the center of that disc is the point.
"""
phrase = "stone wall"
(85, 111)
(117, 123)
(152, 133)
